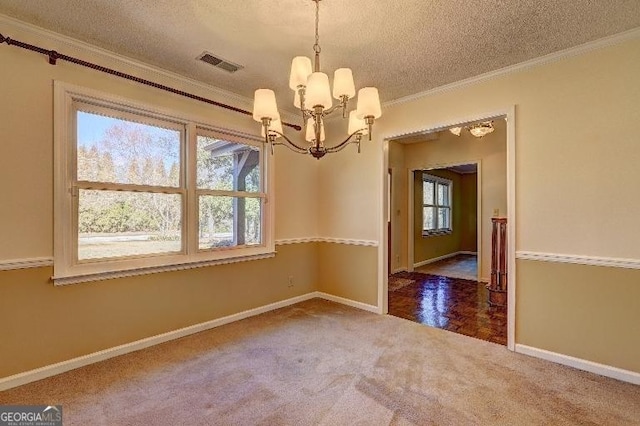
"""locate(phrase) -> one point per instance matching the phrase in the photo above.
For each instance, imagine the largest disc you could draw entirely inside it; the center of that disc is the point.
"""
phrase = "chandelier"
(312, 96)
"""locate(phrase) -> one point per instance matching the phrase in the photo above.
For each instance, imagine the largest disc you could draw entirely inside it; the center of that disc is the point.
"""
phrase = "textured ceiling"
(402, 47)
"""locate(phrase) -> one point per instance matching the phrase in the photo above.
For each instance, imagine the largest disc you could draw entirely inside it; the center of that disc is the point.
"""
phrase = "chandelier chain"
(316, 46)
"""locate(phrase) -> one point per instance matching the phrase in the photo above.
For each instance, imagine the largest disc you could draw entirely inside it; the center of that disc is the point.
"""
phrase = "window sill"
(101, 276)
(426, 234)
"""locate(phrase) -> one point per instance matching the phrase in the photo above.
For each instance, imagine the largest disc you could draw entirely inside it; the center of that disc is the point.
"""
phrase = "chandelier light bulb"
(264, 105)
(300, 71)
(368, 103)
(343, 83)
(318, 91)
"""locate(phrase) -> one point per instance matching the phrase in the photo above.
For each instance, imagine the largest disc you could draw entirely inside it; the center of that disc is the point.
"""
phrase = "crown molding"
(542, 60)
(108, 54)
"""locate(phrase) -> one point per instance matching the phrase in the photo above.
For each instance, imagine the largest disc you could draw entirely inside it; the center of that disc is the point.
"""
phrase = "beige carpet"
(319, 363)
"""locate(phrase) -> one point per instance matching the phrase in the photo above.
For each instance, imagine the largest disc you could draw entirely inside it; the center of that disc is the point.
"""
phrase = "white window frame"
(426, 177)
(67, 269)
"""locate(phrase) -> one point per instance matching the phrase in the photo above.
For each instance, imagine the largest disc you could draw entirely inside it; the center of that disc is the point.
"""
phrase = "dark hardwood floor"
(449, 303)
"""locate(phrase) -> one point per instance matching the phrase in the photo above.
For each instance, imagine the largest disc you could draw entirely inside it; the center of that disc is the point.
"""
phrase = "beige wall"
(589, 312)
(572, 121)
(469, 219)
(43, 324)
(398, 207)
(345, 271)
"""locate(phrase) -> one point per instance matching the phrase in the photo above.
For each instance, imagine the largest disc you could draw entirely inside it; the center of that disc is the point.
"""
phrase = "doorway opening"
(446, 187)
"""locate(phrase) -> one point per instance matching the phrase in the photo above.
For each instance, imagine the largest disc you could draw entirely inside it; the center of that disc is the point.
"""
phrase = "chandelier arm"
(298, 148)
(330, 110)
(343, 144)
(344, 99)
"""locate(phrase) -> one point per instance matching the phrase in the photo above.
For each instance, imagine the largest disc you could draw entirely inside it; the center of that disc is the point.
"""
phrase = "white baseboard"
(435, 259)
(64, 366)
(395, 271)
(581, 364)
(446, 256)
(348, 302)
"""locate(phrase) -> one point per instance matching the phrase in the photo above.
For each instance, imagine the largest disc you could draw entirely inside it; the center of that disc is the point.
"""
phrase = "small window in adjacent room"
(436, 205)
(139, 190)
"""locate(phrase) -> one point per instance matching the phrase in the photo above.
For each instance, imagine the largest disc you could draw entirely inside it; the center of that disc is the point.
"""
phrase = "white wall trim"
(581, 364)
(437, 259)
(34, 262)
(542, 60)
(366, 243)
(579, 259)
(287, 241)
(39, 262)
(348, 302)
(347, 241)
(81, 361)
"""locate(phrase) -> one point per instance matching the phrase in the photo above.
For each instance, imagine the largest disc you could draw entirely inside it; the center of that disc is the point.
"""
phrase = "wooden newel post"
(498, 283)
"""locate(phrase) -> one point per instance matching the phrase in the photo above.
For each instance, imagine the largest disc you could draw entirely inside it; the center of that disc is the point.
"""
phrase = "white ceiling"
(402, 47)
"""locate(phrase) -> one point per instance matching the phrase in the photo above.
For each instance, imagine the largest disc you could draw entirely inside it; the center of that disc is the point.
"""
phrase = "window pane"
(428, 218)
(227, 166)
(119, 151)
(229, 221)
(443, 194)
(444, 218)
(427, 192)
(120, 223)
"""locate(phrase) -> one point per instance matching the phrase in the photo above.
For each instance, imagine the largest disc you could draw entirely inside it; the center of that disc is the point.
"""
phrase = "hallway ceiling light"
(478, 130)
(481, 129)
(311, 88)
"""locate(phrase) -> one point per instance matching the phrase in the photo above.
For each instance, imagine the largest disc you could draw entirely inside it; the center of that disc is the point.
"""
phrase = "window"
(436, 205)
(139, 190)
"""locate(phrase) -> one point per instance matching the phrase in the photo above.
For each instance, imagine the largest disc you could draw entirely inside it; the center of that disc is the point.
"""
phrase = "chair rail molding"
(27, 263)
(613, 262)
(347, 241)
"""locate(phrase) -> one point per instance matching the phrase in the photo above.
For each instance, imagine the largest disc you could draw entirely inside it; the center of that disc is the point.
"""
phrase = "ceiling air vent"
(218, 62)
